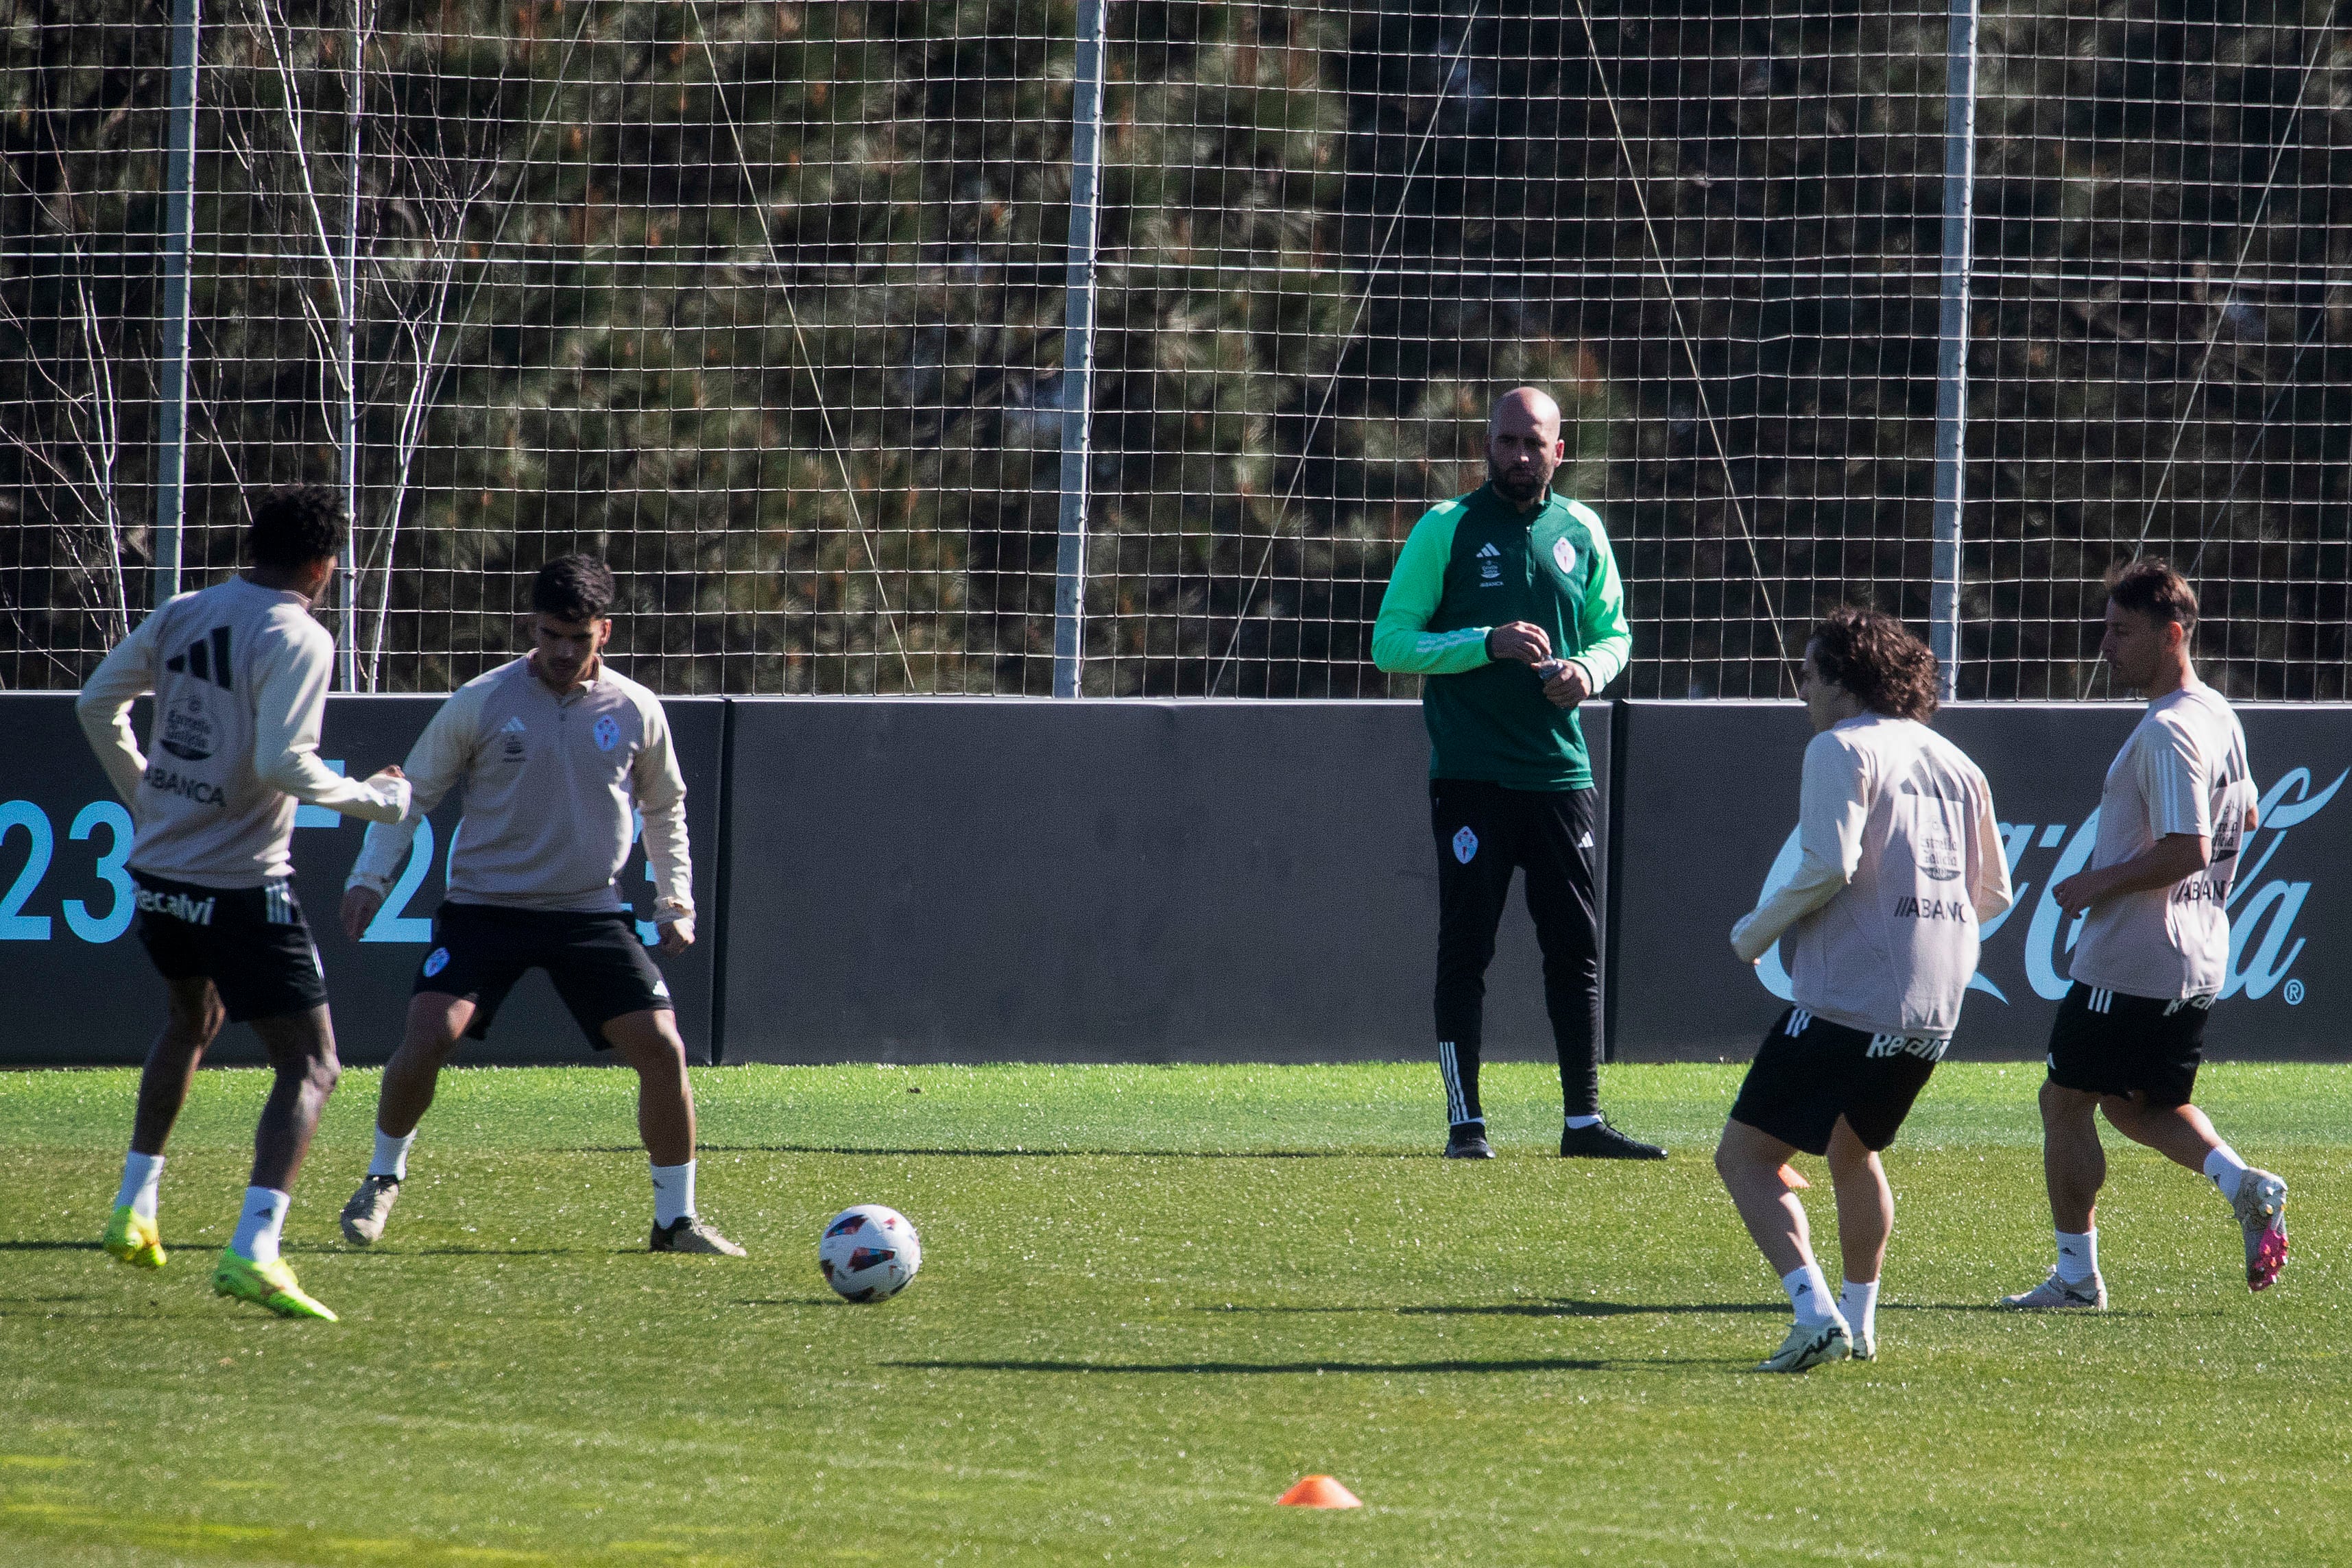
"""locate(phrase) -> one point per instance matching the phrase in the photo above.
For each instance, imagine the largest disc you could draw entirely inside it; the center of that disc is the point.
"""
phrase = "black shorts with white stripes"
(2109, 1042)
(251, 943)
(1809, 1072)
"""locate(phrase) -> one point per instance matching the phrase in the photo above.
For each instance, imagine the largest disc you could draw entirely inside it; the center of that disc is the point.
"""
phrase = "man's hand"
(1520, 639)
(676, 936)
(360, 904)
(2079, 892)
(1565, 682)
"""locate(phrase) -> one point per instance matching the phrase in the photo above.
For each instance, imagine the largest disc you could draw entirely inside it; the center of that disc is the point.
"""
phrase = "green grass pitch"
(1152, 1298)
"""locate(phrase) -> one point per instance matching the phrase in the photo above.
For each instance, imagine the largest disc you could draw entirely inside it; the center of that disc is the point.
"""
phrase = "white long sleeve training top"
(1901, 861)
(550, 784)
(239, 673)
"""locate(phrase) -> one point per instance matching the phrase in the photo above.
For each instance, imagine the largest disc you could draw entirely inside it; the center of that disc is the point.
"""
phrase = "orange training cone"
(1320, 1491)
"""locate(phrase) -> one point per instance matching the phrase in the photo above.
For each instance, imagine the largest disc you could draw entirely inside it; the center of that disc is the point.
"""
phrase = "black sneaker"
(1603, 1141)
(1468, 1142)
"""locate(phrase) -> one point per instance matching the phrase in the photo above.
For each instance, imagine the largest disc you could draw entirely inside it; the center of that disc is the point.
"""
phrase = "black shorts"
(251, 943)
(599, 966)
(2106, 1042)
(1809, 1072)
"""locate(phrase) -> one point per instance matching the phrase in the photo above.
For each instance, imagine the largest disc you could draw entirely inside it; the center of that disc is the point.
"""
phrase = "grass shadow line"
(1017, 1154)
(1306, 1368)
(50, 1247)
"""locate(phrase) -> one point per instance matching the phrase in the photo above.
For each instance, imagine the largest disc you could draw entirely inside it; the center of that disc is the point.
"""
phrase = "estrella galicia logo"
(1466, 845)
(607, 731)
(435, 961)
(188, 728)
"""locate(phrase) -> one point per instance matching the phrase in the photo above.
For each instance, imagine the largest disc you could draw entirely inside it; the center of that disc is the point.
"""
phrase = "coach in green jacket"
(1506, 603)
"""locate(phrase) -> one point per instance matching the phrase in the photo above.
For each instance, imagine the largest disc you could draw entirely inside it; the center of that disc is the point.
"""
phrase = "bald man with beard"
(1506, 603)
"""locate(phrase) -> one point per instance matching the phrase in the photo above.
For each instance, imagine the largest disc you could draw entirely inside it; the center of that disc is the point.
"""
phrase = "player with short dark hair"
(1506, 603)
(556, 751)
(239, 673)
(2154, 946)
(1901, 863)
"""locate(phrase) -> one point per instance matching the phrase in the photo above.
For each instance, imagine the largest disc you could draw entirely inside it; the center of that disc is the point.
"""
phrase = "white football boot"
(364, 1218)
(2055, 1295)
(2261, 1207)
(1810, 1345)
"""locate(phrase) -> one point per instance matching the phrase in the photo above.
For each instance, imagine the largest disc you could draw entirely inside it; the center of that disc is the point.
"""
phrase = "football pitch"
(1151, 1299)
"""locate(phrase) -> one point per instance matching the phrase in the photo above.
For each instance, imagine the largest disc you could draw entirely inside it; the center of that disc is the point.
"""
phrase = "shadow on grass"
(1997, 1310)
(1368, 1154)
(1295, 1368)
(48, 1247)
(1549, 1309)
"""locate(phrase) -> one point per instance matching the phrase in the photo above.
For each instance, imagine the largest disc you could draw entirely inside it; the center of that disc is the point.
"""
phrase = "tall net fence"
(767, 303)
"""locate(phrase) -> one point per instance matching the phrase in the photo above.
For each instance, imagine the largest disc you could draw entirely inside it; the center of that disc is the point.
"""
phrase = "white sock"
(391, 1155)
(1576, 1121)
(1809, 1292)
(2078, 1255)
(256, 1228)
(673, 1193)
(142, 1173)
(1858, 1305)
(2225, 1167)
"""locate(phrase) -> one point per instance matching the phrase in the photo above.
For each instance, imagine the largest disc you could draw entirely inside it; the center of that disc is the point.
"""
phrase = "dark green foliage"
(765, 302)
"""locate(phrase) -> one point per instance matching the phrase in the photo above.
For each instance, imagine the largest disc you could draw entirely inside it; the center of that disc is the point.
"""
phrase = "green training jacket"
(1474, 564)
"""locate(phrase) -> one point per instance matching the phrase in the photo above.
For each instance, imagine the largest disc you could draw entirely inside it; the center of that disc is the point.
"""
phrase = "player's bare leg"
(648, 1042)
(2182, 1134)
(2075, 1167)
(1866, 1209)
(132, 1231)
(436, 1023)
(2073, 1162)
(1749, 1160)
(301, 1048)
(195, 1022)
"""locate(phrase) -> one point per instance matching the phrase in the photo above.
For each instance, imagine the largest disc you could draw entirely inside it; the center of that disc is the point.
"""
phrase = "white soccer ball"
(869, 1253)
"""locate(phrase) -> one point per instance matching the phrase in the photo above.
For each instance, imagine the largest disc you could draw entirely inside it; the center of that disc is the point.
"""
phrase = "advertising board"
(923, 880)
(1707, 816)
(81, 993)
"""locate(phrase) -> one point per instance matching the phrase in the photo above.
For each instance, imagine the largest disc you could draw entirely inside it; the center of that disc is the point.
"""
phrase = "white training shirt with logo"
(549, 782)
(2183, 770)
(239, 673)
(1902, 861)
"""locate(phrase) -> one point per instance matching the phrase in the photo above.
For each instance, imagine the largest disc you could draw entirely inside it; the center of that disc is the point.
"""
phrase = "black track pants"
(1484, 834)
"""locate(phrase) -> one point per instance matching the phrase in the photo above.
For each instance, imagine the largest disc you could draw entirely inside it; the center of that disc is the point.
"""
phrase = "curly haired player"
(1902, 862)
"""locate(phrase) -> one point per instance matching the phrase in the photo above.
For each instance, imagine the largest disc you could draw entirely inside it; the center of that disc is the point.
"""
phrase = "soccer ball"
(869, 1253)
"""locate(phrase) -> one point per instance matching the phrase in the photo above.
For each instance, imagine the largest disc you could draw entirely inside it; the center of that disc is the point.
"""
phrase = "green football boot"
(267, 1285)
(134, 1237)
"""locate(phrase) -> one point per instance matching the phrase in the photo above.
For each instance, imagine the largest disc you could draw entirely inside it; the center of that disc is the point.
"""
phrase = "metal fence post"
(179, 238)
(348, 633)
(1078, 350)
(1952, 358)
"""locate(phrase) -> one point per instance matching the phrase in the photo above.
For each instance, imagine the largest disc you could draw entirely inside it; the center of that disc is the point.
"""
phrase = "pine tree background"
(765, 302)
